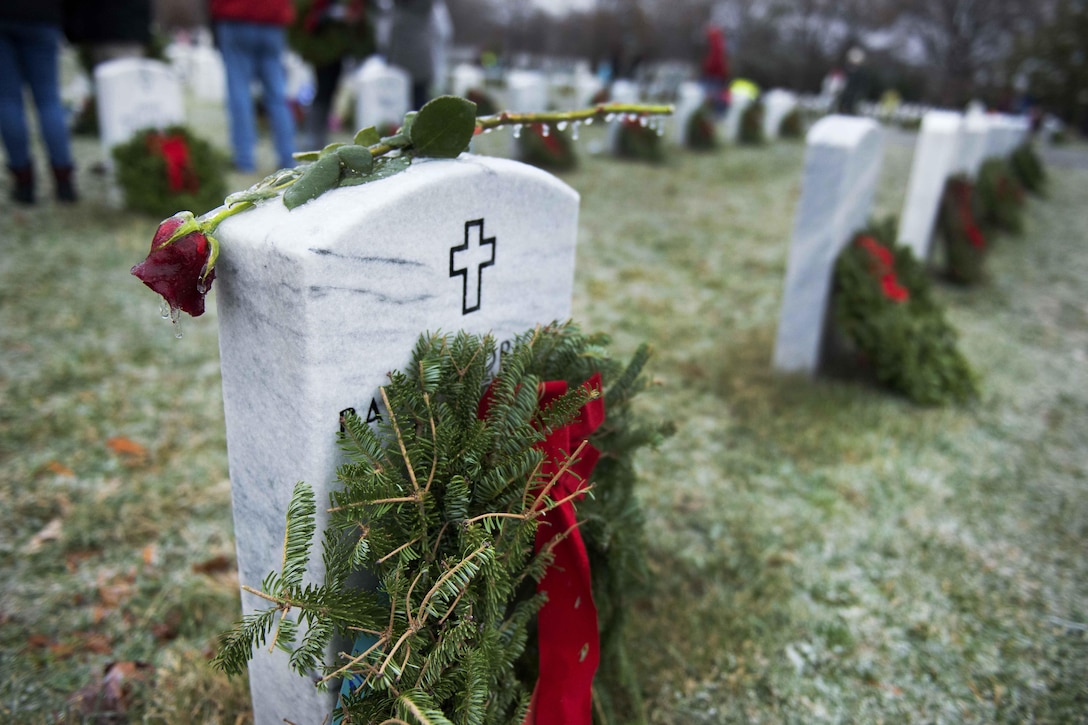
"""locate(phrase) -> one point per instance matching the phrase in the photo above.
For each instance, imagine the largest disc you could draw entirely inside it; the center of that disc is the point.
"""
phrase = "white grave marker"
(134, 94)
(626, 92)
(935, 158)
(777, 104)
(526, 92)
(973, 149)
(318, 304)
(383, 94)
(738, 104)
(207, 75)
(690, 97)
(465, 78)
(842, 163)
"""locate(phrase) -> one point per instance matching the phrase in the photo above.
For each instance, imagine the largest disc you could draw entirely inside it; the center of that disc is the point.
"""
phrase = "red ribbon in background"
(967, 217)
(883, 267)
(567, 629)
(175, 152)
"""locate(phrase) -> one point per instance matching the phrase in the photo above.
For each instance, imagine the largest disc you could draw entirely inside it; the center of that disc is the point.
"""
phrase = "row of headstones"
(138, 93)
(842, 164)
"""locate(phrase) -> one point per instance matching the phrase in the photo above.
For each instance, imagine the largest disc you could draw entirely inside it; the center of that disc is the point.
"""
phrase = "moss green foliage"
(142, 175)
(909, 343)
(639, 142)
(792, 126)
(965, 246)
(751, 125)
(441, 507)
(554, 152)
(1001, 197)
(701, 133)
(1028, 168)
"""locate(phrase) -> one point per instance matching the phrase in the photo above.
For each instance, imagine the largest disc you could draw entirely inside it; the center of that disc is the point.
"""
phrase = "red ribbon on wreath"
(962, 193)
(173, 149)
(882, 265)
(567, 630)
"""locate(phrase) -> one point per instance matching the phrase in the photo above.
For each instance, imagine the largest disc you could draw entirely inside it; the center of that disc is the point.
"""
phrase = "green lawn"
(822, 551)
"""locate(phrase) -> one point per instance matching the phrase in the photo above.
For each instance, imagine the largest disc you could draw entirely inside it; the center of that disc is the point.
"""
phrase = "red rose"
(175, 268)
(975, 238)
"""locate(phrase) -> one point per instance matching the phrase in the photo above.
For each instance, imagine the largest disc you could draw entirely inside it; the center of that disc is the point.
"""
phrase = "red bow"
(967, 217)
(882, 265)
(175, 152)
(567, 628)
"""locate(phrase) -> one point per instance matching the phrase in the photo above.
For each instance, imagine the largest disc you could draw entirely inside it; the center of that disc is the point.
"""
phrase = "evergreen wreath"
(792, 125)
(638, 142)
(485, 104)
(1028, 168)
(162, 172)
(441, 503)
(701, 133)
(884, 306)
(1001, 198)
(545, 146)
(965, 246)
(751, 125)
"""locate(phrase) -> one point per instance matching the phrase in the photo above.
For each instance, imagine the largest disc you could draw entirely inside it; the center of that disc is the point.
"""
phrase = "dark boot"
(66, 192)
(24, 185)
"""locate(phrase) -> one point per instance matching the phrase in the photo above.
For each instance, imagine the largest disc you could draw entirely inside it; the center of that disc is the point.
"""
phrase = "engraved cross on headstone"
(468, 261)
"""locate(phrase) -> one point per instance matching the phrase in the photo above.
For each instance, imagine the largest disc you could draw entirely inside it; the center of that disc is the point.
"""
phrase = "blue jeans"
(28, 56)
(256, 50)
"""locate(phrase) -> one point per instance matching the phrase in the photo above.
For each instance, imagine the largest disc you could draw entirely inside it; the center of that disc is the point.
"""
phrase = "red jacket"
(271, 12)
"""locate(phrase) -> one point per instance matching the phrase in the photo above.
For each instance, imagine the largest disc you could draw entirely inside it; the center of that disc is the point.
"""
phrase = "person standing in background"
(411, 45)
(252, 37)
(30, 33)
(324, 33)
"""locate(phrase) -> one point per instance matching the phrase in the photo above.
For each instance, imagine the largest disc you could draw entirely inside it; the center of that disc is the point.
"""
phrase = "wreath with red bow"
(546, 147)
(164, 171)
(701, 133)
(965, 244)
(494, 504)
(885, 309)
(1001, 197)
(638, 142)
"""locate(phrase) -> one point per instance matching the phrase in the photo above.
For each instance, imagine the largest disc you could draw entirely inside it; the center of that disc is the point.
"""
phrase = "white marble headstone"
(935, 157)
(207, 75)
(383, 94)
(975, 145)
(690, 97)
(526, 91)
(465, 78)
(318, 304)
(738, 104)
(777, 104)
(842, 163)
(134, 94)
(626, 92)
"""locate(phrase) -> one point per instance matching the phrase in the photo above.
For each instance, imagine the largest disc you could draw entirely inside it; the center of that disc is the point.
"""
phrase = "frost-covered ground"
(822, 551)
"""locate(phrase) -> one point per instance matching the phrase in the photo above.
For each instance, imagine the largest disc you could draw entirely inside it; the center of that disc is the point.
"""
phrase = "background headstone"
(318, 304)
(134, 94)
(526, 92)
(626, 92)
(690, 97)
(935, 157)
(383, 94)
(738, 104)
(842, 163)
(466, 77)
(206, 74)
(777, 104)
(975, 144)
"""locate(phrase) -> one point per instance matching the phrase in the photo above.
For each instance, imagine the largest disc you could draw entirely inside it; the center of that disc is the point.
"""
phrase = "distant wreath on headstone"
(965, 245)
(751, 125)
(701, 133)
(547, 148)
(792, 125)
(1001, 196)
(639, 142)
(1028, 168)
(164, 171)
(885, 308)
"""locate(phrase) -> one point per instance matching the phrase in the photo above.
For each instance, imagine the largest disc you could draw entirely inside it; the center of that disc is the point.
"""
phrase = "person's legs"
(274, 81)
(38, 57)
(234, 44)
(317, 120)
(13, 126)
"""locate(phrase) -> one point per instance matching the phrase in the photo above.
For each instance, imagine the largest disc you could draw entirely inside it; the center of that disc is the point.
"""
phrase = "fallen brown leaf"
(218, 563)
(131, 452)
(59, 468)
(110, 695)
